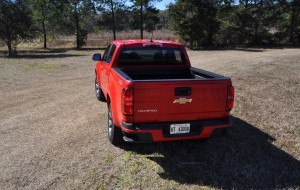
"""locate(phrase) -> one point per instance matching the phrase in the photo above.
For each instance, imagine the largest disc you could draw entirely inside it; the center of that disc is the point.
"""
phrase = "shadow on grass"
(256, 50)
(41, 55)
(242, 158)
(47, 53)
(36, 51)
(251, 48)
(45, 56)
(89, 49)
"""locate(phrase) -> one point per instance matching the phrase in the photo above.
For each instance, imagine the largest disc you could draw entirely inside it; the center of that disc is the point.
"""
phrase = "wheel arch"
(97, 77)
(108, 100)
(113, 109)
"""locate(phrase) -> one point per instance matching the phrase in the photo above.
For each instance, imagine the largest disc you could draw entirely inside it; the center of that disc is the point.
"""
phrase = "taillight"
(230, 97)
(127, 101)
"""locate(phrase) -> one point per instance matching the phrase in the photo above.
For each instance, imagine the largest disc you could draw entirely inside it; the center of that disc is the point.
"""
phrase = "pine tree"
(15, 22)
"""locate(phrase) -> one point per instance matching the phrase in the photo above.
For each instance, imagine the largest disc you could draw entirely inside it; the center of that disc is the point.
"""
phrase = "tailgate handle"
(183, 91)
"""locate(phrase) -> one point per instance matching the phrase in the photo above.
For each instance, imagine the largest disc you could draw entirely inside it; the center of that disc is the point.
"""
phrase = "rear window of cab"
(151, 56)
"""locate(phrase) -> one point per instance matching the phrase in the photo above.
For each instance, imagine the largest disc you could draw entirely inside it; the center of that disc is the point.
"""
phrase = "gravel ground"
(53, 130)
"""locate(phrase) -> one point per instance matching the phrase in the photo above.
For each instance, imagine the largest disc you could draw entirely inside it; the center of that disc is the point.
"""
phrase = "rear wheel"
(99, 93)
(115, 134)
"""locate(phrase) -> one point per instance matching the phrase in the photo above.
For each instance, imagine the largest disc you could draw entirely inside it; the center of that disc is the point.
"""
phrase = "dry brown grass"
(101, 39)
(53, 130)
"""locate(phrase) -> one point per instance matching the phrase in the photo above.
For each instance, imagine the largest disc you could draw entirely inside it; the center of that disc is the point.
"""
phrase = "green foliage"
(147, 15)
(291, 21)
(150, 18)
(201, 24)
(128, 17)
(77, 17)
(46, 14)
(113, 15)
(15, 22)
(163, 19)
(195, 21)
(223, 23)
(228, 31)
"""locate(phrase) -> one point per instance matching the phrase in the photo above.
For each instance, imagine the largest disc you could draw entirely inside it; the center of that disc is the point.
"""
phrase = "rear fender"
(114, 110)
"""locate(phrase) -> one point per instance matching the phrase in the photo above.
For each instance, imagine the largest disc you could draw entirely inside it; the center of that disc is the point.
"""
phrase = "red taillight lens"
(127, 101)
(230, 98)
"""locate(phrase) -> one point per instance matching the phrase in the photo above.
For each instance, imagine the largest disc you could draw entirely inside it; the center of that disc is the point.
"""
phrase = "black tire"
(99, 93)
(115, 135)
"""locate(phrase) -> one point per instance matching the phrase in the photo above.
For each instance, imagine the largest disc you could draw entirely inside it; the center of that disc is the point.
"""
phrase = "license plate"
(180, 128)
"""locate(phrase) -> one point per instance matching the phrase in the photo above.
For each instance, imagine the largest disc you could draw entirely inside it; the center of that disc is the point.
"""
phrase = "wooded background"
(197, 23)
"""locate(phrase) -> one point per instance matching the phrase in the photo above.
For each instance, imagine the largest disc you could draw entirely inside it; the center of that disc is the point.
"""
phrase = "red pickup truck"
(153, 94)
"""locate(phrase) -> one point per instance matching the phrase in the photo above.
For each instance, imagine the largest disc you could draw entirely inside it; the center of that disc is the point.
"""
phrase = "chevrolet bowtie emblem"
(182, 101)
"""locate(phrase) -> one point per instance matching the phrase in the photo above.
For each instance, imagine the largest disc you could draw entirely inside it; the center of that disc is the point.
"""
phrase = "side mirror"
(97, 57)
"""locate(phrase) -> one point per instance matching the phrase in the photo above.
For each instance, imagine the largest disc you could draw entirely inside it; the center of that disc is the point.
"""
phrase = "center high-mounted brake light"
(230, 97)
(127, 101)
(152, 44)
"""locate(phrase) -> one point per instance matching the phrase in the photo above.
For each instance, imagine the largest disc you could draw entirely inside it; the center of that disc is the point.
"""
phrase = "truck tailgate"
(156, 101)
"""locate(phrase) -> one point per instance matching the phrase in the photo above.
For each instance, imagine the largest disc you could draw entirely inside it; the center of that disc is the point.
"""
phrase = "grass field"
(53, 131)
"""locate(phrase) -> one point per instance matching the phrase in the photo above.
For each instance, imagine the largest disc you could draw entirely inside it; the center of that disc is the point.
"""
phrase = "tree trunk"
(246, 4)
(8, 41)
(256, 32)
(77, 32)
(257, 23)
(113, 18)
(142, 29)
(10, 50)
(191, 43)
(44, 30)
(292, 26)
(45, 35)
(210, 36)
(77, 28)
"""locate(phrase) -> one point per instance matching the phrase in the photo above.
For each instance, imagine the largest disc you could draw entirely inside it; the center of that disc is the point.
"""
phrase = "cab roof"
(139, 42)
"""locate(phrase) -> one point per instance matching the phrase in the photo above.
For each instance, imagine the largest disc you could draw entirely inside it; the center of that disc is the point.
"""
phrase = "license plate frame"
(183, 128)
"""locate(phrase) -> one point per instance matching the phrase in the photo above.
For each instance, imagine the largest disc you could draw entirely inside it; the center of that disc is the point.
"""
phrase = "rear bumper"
(155, 132)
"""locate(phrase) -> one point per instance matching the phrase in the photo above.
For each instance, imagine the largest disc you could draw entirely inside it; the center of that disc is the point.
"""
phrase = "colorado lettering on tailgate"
(153, 94)
(148, 111)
